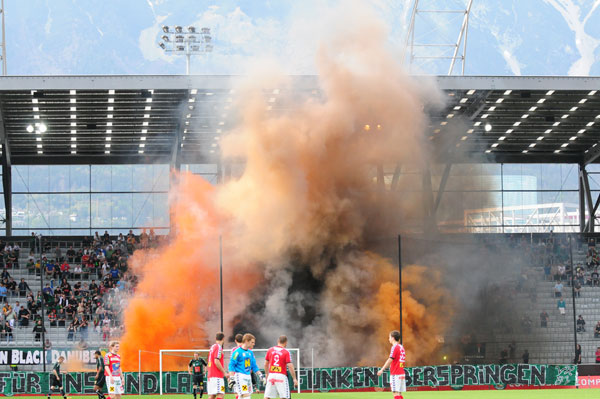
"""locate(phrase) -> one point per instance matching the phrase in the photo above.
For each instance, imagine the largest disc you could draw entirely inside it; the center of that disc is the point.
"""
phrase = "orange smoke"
(296, 222)
(176, 302)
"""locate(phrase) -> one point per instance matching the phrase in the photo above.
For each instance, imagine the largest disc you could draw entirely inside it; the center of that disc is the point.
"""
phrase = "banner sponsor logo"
(589, 381)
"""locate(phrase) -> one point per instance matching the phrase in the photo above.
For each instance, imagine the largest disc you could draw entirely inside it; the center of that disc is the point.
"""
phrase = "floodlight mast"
(186, 42)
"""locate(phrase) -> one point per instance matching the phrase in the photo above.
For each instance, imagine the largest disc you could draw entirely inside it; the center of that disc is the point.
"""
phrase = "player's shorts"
(243, 384)
(197, 379)
(55, 382)
(398, 383)
(101, 381)
(216, 386)
(115, 386)
(277, 385)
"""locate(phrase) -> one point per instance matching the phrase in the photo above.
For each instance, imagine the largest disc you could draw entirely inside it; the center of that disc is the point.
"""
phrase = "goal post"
(183, 356)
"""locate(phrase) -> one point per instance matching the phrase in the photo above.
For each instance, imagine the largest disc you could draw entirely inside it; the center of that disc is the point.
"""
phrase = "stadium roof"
(143, 119)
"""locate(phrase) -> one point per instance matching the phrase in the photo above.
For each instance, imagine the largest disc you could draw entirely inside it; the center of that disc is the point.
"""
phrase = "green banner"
(322, 379)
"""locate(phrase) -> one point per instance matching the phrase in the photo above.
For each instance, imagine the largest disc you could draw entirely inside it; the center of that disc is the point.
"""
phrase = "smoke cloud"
(298, 223)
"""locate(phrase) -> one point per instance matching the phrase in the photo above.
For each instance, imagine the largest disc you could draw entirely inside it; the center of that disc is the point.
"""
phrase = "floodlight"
(488, 127)
(42, 127)
(165, 29)
(162, 45)
(180, 48)
(191, 29)
(206, 31)
(191, 38)
(179, 38)
(30, 128)
(209, 48)
(165, 38)
(195, 47)
(178, 29)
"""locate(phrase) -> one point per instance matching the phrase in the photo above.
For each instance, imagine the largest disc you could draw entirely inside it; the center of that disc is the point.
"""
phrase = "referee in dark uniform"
(100, 379)
(196, 370)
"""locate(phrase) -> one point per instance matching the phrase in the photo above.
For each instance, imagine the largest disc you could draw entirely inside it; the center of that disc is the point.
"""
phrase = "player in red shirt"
(216, 371)
(112, 371)
(277, 362)
(396, 363)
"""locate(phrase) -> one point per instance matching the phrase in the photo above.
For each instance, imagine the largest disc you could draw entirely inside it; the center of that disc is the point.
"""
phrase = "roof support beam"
(178, 137)
(583, 175)
(592, 155)
(6, 176)
(396, 177)
(442, 188)
(429, 216)
(581, 199)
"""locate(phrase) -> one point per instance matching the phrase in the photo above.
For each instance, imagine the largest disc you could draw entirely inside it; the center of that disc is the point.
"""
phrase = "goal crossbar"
(166, 351)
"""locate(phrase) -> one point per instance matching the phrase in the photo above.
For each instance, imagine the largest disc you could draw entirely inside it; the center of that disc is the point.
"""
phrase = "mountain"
(506, 37)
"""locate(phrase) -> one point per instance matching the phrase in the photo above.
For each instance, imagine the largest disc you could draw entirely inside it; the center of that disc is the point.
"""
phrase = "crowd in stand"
(71, 301)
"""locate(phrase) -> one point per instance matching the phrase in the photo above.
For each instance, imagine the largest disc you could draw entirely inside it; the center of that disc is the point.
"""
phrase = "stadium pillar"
(428, 215)
(6, 177)
(573, 296)
(400, 281)
(589, 227)
(581, 199)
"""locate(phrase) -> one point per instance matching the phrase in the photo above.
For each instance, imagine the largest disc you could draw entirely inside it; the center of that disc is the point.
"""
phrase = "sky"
(505, 37)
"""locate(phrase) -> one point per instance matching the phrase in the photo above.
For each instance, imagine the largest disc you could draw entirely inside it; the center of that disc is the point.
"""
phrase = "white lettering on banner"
(3, 357)
(54, 356)
(15, 356)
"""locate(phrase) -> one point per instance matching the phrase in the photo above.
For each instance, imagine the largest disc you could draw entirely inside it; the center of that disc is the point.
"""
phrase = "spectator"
(558, 287)
(562, 272)
(61, 317)
(503, 356)
(52, 318)
(24, 316)
(106, 237)
(83, 328)
(11, 286)
(17, 307)
(58, 254)
(9, 315)
(64, 270)
(6, 331)
(77, 271)
(71, 255)
(71, 330)
(562, 307)
(577, 288)
(595, 278)
(3, 292)
(598, 355)
(577, 359)
(597, 330)
(525, 357)
(544, 319)
(512, 349)
(23, 288)
(580, 324)
(38, 329)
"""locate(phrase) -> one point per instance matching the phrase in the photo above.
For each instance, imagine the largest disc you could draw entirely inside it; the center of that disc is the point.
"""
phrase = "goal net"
(177, 360)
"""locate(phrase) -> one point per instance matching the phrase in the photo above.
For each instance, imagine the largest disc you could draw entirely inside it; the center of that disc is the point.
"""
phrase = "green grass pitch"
(512, 394)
